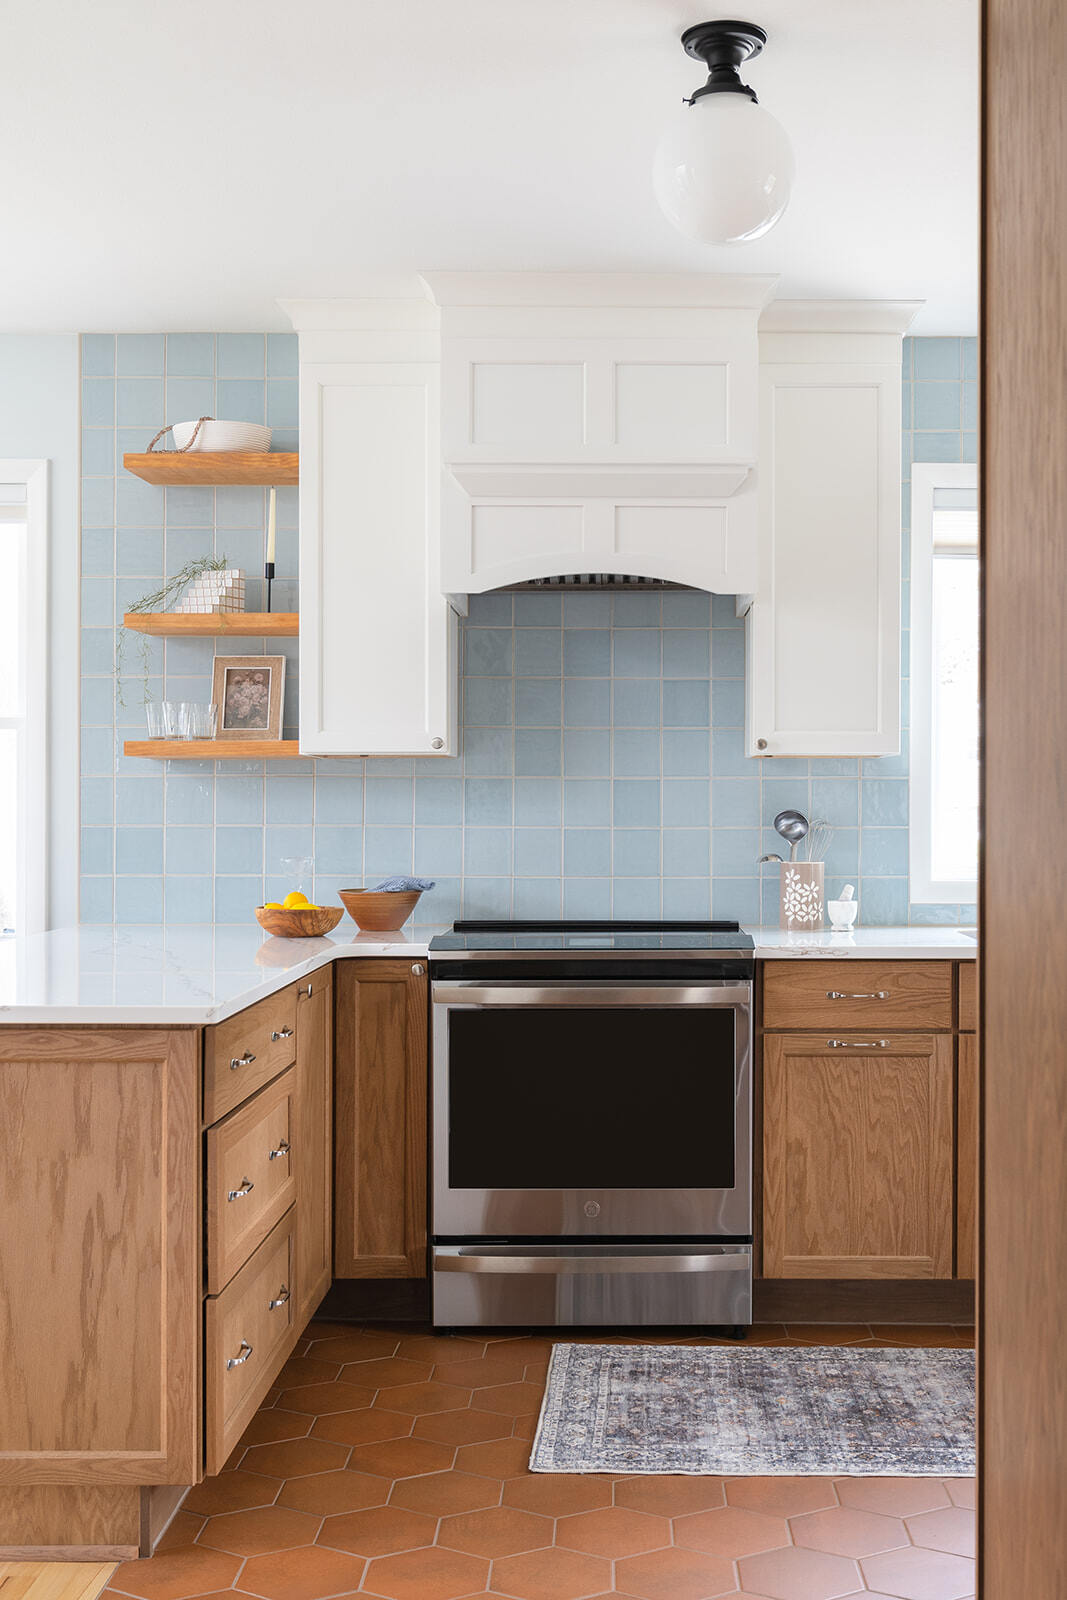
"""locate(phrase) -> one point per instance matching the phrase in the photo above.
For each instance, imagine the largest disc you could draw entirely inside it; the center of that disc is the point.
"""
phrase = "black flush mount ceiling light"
(724, 169)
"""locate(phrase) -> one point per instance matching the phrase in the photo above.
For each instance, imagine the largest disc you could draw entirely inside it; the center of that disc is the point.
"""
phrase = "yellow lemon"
(296, 900)
(272, 905)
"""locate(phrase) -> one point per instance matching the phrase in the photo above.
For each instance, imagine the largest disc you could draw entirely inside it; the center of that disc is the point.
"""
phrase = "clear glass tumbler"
(172, 719)
(201, 719)
(153, 712)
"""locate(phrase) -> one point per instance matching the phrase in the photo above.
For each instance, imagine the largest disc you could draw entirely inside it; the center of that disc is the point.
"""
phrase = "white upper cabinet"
(378, 651)
(599, 423)
(824, 623)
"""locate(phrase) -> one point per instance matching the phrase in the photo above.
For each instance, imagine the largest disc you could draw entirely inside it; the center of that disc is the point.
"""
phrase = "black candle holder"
(268, 573)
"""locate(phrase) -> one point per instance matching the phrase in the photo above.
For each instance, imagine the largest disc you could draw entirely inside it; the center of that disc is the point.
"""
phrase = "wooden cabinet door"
(100, 1255)
(380, 1120)
(314, 1135)
(857, 1155)
(967, 1157)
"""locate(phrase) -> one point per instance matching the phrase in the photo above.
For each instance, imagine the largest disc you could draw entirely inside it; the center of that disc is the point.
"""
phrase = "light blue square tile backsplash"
(602, 770)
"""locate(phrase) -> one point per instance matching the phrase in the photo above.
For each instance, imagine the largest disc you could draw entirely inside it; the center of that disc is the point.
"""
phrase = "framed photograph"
(249, 692)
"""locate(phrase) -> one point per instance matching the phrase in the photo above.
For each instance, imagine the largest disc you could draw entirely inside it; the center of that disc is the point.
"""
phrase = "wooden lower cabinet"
(380, 1160)
(314, 1141)
(100, 1256)
(967, 1157)
(858, 1155)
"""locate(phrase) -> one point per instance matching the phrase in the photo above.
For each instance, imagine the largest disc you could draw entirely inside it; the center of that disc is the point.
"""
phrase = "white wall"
(39, 418)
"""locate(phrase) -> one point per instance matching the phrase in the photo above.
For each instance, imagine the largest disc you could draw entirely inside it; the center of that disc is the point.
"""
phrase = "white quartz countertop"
(194, 974)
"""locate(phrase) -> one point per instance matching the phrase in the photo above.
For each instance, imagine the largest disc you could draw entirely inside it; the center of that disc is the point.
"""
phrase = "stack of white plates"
(222, 436)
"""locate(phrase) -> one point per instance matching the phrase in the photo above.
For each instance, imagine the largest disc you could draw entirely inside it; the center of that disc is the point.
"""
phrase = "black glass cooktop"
(577, 936)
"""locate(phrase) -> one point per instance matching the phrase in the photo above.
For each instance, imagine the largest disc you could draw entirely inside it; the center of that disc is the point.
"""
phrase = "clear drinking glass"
(153, 712)
(201, 719)
(172, 728)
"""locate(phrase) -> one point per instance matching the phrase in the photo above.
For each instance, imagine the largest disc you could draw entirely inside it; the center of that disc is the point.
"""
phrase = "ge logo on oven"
(591, 1208)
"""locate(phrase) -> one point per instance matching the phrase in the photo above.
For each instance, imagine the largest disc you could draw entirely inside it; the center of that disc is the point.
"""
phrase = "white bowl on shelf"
(222, 436)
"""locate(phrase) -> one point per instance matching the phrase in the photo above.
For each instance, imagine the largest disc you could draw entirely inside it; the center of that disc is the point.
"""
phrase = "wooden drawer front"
(857, 994)
(251, 1177)
(247, 1051)
(968, 996)
(249, 1331)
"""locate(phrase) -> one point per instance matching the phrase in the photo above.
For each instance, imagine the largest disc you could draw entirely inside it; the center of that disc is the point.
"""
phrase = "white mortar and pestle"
(843, 912)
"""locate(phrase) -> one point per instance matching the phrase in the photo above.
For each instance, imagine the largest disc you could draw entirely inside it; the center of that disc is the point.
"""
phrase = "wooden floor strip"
(53, 1580)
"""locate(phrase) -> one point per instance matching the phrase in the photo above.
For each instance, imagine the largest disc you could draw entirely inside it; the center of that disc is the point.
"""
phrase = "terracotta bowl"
(379, 911)
(307, 923)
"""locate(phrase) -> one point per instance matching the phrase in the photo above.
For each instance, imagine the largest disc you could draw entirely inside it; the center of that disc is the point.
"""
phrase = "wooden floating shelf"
(230, 624)
(213, 749)
(267, 468)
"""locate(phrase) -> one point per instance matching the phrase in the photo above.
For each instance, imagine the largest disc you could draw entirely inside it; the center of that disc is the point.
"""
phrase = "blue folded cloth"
(402, 885)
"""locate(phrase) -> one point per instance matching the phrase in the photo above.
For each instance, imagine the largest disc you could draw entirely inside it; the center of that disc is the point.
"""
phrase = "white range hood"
(598, 423)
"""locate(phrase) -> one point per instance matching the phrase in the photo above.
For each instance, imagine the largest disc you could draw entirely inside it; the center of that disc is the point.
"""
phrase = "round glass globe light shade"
(724, 170)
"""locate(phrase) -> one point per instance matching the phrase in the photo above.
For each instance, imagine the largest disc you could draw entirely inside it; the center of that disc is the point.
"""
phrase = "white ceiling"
(184, 165)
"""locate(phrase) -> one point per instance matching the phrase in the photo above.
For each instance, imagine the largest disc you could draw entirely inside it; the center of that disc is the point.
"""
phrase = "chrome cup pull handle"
(858, 1044)
(280, 1299)
(279, 1150)
(241, 1357)
(837, 994)
(238, 1194)
(241, 1061)
(281, 1033)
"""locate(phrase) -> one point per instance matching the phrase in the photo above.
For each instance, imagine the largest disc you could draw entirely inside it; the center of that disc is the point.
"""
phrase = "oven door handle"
(473, 993)
(726, 1260)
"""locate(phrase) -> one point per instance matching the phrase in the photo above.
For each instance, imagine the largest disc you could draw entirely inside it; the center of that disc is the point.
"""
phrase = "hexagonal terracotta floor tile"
(894, 1497)
(365, 1426)
(921, 1574)
(320, 1398)
(440, 1347)
(254, 1533)
(846, 1531)
(511, 1399)
(401, 1458)
(781, 1497)
(953, 1531)
(307, 1369)
(388, 1373)
(796, 1574)
(498, 1531)
(550, 1575)
(481, 1373)
(232, 1491)
(613, 1532)
(270, 1425)
(558, 1494)
(730, 1531)
(827, 1333)
(382, 1531)
(421, 1398)
(326, 1494)
(443, 1494)
(962, 1491)
(669, 1497)
(498, 1458)
(305, 1574)
(431, 1574)
(354, 1347)
(675, 1575)
(191, 1570)
(463, 1427)
(295, 1457)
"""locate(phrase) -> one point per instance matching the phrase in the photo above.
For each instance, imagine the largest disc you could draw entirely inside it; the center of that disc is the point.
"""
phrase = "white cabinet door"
(377, 637)
(824, 628)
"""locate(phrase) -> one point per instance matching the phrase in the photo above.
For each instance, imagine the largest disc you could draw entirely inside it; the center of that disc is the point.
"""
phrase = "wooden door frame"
(1022, 1304)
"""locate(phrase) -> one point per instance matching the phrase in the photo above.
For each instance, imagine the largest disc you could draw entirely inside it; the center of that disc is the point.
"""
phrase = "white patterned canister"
(802, 895)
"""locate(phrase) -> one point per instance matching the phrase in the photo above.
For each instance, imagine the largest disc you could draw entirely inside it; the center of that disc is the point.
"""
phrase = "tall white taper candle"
(270, 523)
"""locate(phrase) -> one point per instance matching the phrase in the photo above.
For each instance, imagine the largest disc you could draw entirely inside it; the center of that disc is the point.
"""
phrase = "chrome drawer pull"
(836, 994)
(282, 1150)
(241, 1357)
(282, 1033)
(241, 1061)
(858, 1044)
(280, 1299)
(246, 1188)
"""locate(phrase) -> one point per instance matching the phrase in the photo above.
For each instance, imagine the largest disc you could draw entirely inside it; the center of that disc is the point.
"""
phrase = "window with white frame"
(23, 695)
(944, 683)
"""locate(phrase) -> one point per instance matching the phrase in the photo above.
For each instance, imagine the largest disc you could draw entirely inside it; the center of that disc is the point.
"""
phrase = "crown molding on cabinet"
(839, 316)
(714, 290)
(601, 480)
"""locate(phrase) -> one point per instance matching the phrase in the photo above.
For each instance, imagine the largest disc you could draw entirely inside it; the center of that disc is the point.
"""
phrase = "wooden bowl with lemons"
(296, 917)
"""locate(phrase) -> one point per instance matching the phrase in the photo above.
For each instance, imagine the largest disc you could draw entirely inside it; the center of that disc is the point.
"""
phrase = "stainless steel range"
(592, 1124)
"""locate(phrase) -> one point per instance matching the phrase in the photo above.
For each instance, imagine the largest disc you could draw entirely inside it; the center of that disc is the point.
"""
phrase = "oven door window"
(543, 1098)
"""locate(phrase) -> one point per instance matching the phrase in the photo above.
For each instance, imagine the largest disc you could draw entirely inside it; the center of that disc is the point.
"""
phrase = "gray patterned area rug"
(809, 1411)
